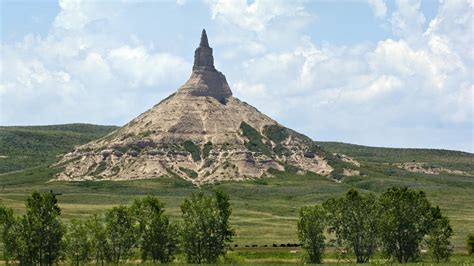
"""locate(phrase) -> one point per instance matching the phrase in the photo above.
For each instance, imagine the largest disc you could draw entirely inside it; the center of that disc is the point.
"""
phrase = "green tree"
(157, 236)
(311, 225)
(78, 243)
(98, 238)
(8, 236)
(405, 218)
(354, 220)
(121, 233)
(40, 232)
(470, 243)
(206, 231)
(439, 235)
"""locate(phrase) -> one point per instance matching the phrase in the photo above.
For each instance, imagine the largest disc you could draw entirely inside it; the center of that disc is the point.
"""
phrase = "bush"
(276, 133)
(189, 172)
(206, 149)
(190, 147)
(470, 243)
(254, 143)
(100, 168)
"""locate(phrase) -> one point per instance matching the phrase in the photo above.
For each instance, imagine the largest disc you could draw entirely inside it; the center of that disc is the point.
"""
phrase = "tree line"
(40, 238)
(397, 223)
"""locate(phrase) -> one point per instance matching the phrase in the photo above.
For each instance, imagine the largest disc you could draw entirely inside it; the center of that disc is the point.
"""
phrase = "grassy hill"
(265, 210)
(446, 158)
(23, 147)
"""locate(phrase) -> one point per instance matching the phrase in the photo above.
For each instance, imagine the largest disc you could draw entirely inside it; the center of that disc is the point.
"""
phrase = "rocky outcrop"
(203, 59)
(424, 168)
(201, 133)
(205, 80)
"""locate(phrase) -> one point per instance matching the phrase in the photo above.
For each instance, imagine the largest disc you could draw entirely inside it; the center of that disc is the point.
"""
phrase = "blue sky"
(375, 72)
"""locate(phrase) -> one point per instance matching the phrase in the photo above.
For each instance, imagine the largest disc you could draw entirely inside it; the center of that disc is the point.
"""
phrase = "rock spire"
(200, 133)
(205, 80)
(203, 58)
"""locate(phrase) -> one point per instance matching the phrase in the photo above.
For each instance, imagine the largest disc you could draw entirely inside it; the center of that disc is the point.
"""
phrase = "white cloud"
(78, 14)
(257, 15)
(378, 7)
(421, 80)
(402, 90)
(141, 68)
(408, 21)
(81, 73)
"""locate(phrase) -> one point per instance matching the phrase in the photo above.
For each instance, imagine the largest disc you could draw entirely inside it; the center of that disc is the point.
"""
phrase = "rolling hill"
(266, 208)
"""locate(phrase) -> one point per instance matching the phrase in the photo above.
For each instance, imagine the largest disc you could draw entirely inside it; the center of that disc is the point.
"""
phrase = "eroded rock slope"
(200, 133)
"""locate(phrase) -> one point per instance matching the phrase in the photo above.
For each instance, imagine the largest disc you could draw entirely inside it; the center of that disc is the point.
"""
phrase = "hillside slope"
(29, 146)
(449, 160)
(265, 210)
(201, 133)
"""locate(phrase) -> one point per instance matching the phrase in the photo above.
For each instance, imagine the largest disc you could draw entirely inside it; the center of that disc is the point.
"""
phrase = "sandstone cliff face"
(201, 133)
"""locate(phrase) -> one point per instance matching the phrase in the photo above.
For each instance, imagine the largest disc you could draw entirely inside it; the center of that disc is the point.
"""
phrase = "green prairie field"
(264, 210)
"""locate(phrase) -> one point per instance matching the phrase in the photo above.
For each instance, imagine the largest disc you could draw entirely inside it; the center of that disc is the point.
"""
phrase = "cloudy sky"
(375, 72)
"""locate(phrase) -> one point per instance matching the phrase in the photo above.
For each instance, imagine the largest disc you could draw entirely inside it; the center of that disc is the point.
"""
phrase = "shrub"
(276, 133)
(190, 147)
(470, 243)
(254, 143)
(189, 172)
(99, 169)
(206, 149)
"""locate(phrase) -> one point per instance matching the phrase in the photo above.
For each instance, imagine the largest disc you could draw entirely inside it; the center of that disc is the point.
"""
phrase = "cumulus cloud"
(81, 72)
(408, 21)
(257, 15)
(413, 89)
(419, 81)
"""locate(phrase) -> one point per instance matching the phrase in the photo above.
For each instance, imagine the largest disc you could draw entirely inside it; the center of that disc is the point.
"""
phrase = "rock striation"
(200, 133)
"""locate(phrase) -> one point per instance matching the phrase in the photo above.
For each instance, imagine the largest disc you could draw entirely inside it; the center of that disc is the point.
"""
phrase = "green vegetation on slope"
(206, 149)
(28, 146)
(276, 133)
(255, 139)
(458, 160)
(190, 147)
(265, 211)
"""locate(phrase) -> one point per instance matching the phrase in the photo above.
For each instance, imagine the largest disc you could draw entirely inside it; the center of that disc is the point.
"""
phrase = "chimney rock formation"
(200, 133)
(205, 80)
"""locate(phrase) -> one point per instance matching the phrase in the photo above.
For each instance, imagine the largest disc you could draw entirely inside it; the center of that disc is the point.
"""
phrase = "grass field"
(264, 211)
